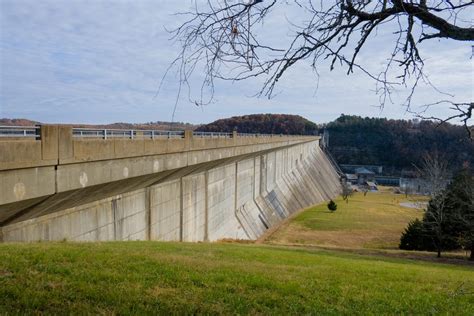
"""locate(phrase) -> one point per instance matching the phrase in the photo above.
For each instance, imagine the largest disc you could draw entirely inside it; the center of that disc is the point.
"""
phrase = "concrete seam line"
(206, 205)
(181, 202)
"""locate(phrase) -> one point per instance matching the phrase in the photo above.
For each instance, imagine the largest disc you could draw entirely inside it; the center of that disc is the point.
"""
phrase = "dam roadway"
(64, 183)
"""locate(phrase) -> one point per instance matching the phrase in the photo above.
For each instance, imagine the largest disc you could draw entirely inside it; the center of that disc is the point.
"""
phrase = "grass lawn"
(232, 278)
(372, 221)
(163, 278)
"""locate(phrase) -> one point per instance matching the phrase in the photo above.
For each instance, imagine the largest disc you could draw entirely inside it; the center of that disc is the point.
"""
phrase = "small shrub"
(416, 237)
(412, 237)
(332, 206)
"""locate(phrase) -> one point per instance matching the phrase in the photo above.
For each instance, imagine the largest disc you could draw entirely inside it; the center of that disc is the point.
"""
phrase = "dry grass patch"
(375, 220)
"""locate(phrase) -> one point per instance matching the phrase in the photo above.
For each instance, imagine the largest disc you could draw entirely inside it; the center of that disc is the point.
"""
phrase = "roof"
(371, 184)
(363, 170)
(351, 176)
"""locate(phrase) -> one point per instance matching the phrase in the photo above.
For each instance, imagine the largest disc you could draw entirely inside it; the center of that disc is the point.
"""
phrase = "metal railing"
(20, 131)
(122, 133)
(212, 135)
(34, 132)
(264, 135)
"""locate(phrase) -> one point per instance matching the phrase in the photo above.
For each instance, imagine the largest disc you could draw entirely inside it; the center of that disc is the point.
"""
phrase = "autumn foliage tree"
(263, 124)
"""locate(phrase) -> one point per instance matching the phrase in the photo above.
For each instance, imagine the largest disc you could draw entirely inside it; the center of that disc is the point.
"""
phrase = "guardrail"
(212, 134)
(20, 131)
(121, 133)
(34, 132)
(263, 135)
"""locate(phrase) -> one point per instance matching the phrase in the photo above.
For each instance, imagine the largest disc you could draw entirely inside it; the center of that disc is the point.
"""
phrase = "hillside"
(264, 124)
(17, 122)
(397, 144)
(158, 125)
(123, 278)
(341, 263)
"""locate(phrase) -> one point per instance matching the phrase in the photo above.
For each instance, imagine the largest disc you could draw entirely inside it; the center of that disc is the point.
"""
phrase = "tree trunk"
(439, 253)
(471, 258)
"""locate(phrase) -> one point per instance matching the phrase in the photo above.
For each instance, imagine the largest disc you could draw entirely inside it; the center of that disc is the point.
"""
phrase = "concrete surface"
(58, 163)
(202, 195)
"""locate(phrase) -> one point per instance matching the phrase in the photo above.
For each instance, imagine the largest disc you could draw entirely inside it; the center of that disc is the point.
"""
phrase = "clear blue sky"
(102, 61)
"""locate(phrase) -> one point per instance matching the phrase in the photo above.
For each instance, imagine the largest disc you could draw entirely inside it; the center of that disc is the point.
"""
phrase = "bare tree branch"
(220, 40)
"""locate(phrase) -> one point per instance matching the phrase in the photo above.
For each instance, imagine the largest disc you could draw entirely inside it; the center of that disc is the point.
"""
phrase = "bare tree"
(434, 171)
(407, 190)
(449, 218)
(435, 221)
(346, 191)
(222, 36)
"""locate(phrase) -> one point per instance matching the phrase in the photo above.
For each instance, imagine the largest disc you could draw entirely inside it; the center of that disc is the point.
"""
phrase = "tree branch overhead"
(222, 37)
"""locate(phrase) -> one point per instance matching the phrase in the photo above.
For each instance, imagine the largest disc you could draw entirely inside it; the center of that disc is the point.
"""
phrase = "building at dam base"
(239, 196)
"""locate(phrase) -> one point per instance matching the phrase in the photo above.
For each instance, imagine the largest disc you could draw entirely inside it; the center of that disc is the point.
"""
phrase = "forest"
(263, 124)
(398, 145)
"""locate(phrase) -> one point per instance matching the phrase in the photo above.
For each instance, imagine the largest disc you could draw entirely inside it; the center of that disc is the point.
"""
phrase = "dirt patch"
(293, 233)
(416, 205)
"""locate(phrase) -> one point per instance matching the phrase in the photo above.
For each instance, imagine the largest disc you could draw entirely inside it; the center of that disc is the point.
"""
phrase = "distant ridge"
(158, 125)
(17, 122)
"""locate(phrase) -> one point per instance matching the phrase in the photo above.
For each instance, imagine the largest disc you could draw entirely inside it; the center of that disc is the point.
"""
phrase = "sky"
(97, 62)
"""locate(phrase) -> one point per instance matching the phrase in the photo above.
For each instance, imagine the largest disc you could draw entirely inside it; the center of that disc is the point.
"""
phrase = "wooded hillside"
(264, 124)
(397, 144)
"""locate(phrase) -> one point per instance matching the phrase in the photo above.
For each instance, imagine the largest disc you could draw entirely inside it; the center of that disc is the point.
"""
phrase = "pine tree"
(460, 205)
(413, 238)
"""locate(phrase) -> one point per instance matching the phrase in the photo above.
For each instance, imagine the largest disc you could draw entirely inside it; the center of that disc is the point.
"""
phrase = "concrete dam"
(63, 183)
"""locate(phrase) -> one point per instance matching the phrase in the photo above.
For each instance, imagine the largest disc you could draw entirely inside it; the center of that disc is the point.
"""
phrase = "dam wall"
(59, 159)
(238, 197)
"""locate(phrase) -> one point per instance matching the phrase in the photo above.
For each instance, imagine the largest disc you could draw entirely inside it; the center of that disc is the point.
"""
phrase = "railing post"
(188, 138)
(131, 134)
(38, 132)
(49, 141)
(66, 150)
(234, 137)
(105, 133)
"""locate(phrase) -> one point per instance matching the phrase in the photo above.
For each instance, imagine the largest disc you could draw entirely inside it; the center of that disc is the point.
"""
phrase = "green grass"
(372, 221)
(163, 278)
(375, 210)
(203, 278)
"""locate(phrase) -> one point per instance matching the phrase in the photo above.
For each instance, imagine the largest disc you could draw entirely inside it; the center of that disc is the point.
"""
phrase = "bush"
(413, 238)
(332, 206)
